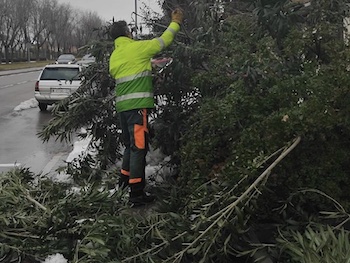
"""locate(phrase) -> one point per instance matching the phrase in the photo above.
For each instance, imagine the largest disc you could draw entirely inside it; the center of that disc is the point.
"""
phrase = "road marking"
(19, 83)
(6, 86)
(2, 165)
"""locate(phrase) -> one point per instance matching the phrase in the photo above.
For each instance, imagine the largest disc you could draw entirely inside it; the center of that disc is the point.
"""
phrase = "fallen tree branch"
(223, 212)
(35, 202)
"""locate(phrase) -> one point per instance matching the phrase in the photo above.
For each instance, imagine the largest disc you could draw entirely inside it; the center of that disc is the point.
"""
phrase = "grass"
(24, 65)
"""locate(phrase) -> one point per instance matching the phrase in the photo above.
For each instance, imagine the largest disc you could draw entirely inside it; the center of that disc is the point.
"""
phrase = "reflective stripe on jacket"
(130, 65)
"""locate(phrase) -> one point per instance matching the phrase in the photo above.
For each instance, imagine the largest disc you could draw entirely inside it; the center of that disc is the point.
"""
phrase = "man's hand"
(177, 16)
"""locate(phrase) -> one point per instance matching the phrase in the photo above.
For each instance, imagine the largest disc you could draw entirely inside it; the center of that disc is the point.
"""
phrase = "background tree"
(10, 27)
(40, 23)
(88, 25)
(64, 26)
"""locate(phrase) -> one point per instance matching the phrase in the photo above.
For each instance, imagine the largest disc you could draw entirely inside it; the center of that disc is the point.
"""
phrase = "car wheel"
(42, 106)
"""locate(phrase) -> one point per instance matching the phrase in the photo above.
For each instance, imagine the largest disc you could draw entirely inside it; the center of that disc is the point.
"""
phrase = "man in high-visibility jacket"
(130, 65)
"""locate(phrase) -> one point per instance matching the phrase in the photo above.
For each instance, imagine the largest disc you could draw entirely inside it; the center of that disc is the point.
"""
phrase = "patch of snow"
(80, 146)
(31, 103)
(156, 167)
(62, 177)
(57, 258)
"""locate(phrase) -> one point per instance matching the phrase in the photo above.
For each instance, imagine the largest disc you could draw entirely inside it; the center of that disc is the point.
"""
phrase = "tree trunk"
(7, 54)
(37, 52)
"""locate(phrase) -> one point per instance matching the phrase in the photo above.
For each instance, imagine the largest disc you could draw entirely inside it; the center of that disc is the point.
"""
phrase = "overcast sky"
(106, 9)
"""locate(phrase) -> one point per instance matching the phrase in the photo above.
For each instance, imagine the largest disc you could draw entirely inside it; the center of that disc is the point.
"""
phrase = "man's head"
(119, 29)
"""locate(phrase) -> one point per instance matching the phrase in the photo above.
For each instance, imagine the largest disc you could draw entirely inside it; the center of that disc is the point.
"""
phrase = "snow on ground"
(57, 258)
(32, 103)
(155, 161)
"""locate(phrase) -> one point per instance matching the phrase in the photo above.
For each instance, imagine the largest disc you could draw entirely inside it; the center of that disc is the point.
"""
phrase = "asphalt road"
(19, 143)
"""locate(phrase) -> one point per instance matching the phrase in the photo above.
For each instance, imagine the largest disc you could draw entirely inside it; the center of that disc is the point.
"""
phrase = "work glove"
(177, 16)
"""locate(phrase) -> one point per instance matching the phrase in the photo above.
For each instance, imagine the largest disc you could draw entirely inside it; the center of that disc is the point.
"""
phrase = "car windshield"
(65, 57)
(60, 74)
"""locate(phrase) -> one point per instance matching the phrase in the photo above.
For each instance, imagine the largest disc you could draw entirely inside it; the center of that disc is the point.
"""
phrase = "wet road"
(19, 143)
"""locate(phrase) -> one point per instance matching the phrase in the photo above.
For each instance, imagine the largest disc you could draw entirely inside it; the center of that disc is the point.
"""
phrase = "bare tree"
(10, 26)
(64, 27)
(88, 26)
(2, 17)
(51, 27)
(42, 24)
(24, 12)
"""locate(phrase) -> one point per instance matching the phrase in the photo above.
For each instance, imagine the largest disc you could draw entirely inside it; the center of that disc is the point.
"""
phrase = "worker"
(130, 66)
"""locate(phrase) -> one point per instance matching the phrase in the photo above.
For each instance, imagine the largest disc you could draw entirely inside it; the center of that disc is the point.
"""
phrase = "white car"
(56, 82)
(86, 60)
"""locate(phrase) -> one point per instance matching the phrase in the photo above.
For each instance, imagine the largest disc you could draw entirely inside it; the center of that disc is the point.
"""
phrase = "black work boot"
(140, 199)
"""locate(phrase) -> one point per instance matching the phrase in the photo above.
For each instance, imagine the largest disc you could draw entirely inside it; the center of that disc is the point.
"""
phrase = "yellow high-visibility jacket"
(130, 65)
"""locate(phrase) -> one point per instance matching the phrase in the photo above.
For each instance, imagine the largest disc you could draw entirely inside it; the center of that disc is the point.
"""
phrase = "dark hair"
(118, 29)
